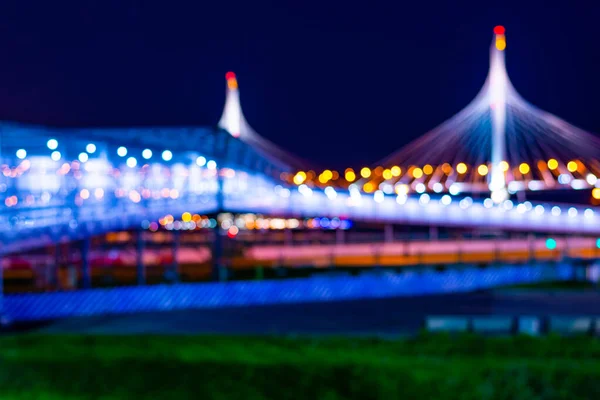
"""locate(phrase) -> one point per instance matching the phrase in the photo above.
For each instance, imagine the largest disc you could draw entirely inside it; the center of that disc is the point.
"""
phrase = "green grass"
(206, 367)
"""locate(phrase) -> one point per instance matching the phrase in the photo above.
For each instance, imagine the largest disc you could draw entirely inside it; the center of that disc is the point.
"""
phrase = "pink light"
(230, 75)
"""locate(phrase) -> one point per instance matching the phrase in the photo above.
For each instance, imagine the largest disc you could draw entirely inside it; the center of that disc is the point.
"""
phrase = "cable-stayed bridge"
(471, 171)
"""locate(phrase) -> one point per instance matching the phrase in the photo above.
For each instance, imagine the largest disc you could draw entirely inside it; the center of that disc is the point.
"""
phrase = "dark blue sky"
(340, 83)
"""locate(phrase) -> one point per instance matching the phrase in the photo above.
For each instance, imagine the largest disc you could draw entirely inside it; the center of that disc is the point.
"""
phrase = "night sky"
(338, 83)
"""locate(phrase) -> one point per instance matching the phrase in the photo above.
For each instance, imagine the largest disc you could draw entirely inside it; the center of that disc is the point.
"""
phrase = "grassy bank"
(202, 367)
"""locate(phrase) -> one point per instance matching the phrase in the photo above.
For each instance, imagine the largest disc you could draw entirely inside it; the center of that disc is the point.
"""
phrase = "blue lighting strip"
(29, 307)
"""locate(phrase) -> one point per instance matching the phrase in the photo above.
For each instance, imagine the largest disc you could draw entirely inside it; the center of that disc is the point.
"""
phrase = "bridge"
(474, 170)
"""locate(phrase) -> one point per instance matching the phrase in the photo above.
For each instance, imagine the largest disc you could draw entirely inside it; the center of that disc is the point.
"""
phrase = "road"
(384, 317)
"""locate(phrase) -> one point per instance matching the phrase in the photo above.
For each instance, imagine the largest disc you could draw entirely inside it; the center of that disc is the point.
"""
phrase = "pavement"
(372, 317)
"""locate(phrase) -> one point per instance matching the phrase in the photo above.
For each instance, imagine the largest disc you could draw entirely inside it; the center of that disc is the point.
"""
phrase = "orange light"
(368, 187)
(300, 177)
(349, 175)
(572, 166)
(501, 44)
(447, 168)
(428, 169)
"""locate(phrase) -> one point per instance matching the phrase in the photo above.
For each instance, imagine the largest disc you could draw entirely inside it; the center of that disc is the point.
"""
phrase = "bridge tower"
(498, 87)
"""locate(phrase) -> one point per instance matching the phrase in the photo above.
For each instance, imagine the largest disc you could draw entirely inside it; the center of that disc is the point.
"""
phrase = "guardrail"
(512, 325)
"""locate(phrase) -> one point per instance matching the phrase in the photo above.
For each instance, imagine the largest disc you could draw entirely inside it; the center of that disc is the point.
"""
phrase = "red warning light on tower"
(499, 30)
(231, 80)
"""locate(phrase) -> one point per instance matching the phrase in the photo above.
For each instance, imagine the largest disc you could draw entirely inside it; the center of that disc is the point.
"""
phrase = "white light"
(402, 189)
(556, 211)
(83, 157)
(572, 212)
(465, 203)
(420, 187)
(52, 144)
(378, 196)
(564, 179)
(535, 185)
(167, 155)
(90, 148)
(305, 190)
(55, 156)
(498, 196)
(388, 189)
(488, 203)
(446, 199)
(285, 193)
(508, 205)
(438, 187)
(21, 153)
(521, 209)
(201, 161)
(588, 213)
(578, 184)
(401, 199)
(147, 154)
(539, 209)
(424, 199)
(330, 192)
(122, 151)
(454, 189)
(528, 205)
(591, 179)
(211, 164)
(131, 162)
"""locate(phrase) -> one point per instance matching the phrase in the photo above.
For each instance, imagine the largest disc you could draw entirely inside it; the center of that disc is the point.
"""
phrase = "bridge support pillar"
(140, 268)
(86, 275)
(340, 236)
(55, 267)
(1, 291)
(217, 255)
(289, 237)
(433, 233)
(388, 233)
(174, 270)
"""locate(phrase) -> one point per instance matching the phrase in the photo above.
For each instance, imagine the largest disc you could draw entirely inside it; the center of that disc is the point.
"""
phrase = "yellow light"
(417, 173)
(387, 174)
(186, 217)
(365, 172)
(501, 43)
(552, 164)
(300, 177)
(572, 166)
(428, 169)
(327, 174)
(368, 187)
(524, 168)
(323, 178)
(461, 168)
(503, 166)
(596, 193)
(482, 170)
(350, 175)
(396, 171)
